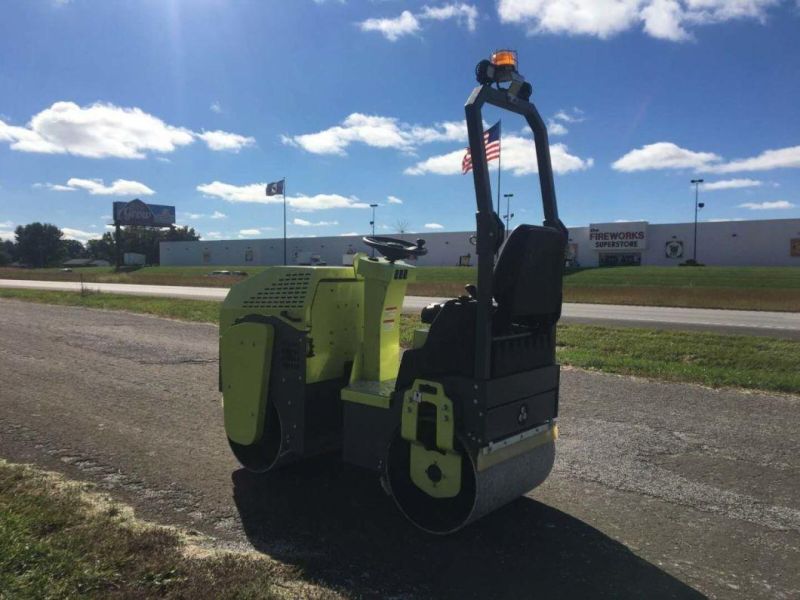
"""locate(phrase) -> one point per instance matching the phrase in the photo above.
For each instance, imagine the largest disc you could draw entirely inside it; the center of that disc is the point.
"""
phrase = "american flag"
(491, 141)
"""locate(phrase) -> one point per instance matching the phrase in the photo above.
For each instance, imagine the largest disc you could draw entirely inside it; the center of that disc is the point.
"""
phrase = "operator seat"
(527, 291)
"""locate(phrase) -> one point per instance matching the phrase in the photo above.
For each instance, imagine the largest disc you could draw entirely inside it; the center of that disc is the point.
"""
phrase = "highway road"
(779, 324)
(660, 490)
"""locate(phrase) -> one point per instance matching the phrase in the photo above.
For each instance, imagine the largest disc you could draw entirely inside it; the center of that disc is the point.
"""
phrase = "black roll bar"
(490, 229)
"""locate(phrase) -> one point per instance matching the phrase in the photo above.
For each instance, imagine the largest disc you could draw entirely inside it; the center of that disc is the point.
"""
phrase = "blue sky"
(198, 103)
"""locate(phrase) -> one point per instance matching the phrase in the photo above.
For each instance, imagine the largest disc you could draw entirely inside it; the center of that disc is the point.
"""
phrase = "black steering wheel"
(394, 249)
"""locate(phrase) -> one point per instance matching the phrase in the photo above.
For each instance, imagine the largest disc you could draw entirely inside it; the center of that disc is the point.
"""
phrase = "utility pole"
(509, 215)
(373, 207)
(696, 183)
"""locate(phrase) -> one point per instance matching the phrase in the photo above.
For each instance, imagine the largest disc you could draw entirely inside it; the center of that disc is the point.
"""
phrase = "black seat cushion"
(527, 276)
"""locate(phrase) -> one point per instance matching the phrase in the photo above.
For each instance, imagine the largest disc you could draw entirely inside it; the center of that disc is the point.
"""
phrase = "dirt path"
(659, 491)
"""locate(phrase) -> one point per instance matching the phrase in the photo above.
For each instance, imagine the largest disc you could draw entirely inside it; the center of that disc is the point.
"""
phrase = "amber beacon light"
(505, 58)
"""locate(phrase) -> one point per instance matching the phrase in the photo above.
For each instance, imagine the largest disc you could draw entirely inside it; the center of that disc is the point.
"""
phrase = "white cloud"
(323, 202)
(105, 130)
(249, 232)
(393, 200)
(393, 29)
(464, 14)
(663, 19)
(777, 205)
(215, 107)
(663, 155)
(96, 187)
(7, 235)
(213, 235)
(304, 223)
(408, 23)
(222, 140)
(54, 187)
(348, 234)
(6, 224)
(372, 130)
(81, 236)
(218, 215)
(377, 132)
(519, 157)
(783, 158)
(730, 184)
(433, 226)
(254, 192)
(556, 128)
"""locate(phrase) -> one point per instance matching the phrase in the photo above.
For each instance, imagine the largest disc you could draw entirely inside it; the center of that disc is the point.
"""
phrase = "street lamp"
(509, 214)
(697, 205)
(373, 207)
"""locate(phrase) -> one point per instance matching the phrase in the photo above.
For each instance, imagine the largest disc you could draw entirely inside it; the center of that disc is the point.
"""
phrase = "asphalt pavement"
(746, 322)
(660, 490)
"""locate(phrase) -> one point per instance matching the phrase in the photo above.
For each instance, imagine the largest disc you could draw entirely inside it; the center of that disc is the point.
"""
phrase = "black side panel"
(518, 416)
(368, 432)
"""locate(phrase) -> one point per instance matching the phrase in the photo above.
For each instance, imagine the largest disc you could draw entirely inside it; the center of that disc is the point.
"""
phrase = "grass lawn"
(710, 359)
(745, 288)
(60, 541)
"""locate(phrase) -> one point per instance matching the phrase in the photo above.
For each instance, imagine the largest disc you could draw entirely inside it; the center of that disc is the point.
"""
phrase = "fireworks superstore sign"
(618, 237)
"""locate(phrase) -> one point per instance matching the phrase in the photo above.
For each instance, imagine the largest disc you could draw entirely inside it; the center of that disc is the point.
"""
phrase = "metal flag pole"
(284, 221)
(499, 162)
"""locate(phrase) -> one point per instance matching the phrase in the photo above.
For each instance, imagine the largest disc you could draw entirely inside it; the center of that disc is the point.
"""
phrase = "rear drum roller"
(262, 455)
(480, 492)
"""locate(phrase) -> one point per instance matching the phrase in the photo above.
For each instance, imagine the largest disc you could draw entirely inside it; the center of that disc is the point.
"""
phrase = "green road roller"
(458, 424)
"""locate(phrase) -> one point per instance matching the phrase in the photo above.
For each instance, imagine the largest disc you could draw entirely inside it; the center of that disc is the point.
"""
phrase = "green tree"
(8, 252)
(102, 248)
(73, 249)
(39, 244)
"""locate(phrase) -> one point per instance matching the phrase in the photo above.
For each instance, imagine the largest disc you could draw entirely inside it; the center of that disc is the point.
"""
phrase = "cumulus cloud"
(663, 155)
(224, 141)
(105, 130)
(556, 128)
(81, 236)
(393, 28)
(782, 158)
(433, 226)
(249, 232)
(305, 223)
(730, 184)
(662, 19)
(254, 192)
(519, 157)
(393, 200)
(215, 107)
(408, 23)
(776, 205)
(96, 187)
(666, 155)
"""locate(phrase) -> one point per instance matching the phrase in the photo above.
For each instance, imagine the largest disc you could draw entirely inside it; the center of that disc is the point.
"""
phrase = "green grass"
(58, 541)
(206, 311)
(745, 288)
(710, 359)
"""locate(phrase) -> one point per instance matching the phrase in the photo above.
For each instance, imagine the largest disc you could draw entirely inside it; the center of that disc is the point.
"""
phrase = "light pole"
(696, 183)
(373, 207)
(509, 214)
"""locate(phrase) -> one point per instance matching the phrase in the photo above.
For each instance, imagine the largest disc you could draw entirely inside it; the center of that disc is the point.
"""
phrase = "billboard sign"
(137, 212)
(618, 237)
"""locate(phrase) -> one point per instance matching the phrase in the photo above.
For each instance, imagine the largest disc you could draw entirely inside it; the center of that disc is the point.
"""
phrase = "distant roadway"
(747, 322)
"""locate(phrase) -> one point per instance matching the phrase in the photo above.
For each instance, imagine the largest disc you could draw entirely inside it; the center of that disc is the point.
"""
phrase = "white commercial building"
(774, 242)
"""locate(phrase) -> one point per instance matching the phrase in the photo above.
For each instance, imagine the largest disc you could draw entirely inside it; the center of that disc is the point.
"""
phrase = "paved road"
(725, 321)
(659, 491)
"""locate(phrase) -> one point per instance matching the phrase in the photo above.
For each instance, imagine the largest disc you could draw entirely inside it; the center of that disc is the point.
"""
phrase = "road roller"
(458, 424)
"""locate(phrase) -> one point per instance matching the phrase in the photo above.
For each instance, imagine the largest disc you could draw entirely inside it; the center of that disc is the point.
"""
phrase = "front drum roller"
(435, 482)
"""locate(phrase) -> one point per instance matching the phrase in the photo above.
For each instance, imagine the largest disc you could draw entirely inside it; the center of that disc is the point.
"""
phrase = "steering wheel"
(395, 249)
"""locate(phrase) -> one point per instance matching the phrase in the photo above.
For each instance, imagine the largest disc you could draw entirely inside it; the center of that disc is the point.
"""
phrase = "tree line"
(43, 244)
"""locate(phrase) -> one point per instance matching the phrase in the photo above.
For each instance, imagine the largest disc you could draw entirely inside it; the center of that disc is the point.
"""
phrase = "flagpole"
(284, 220)
(499, 163)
